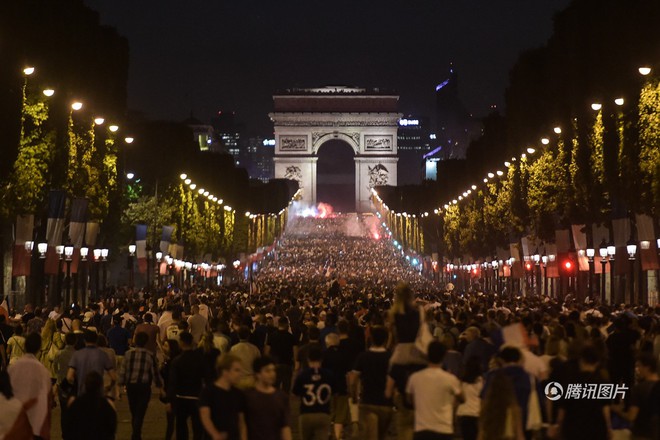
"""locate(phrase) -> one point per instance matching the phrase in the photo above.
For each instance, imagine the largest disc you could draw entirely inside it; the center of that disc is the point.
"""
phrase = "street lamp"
(159, 259)
(104, 259)
(131, 270)
(537, 272)
(611, 253)
(644, 70)
(596, 106)
(99, 121)
(68, 256)
(544, 260)
(619, 101)
(30, 70)
(84, 252)
(591, 252)
(602, 251)
(113, 128)
(76, 106)
(42, 248)
(631, 248)
(48, 92)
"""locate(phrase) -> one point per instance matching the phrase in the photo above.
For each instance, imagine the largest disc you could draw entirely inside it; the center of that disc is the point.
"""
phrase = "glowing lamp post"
(631, 248)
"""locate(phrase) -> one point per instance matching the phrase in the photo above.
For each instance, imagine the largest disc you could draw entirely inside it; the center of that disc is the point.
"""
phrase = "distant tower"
(454, 125)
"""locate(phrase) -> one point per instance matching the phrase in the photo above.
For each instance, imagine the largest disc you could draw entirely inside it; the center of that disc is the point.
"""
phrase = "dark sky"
(210, 55)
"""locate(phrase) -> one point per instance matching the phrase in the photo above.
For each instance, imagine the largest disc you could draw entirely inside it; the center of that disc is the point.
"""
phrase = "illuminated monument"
(366, 120)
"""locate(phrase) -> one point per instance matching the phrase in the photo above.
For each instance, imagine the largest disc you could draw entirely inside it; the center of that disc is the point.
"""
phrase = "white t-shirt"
(472, 405)
(433, 392)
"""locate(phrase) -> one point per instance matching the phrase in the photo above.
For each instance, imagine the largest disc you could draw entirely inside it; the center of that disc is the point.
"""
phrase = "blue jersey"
(314, 387)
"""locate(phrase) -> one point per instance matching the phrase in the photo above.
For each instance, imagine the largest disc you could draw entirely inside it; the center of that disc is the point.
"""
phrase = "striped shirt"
(139, 366)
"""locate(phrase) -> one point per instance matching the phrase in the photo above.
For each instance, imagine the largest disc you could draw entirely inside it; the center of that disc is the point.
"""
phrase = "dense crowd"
(341, 338)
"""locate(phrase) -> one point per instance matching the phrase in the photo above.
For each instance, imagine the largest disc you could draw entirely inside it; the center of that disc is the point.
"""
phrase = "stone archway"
(366, 120)
(335, 175)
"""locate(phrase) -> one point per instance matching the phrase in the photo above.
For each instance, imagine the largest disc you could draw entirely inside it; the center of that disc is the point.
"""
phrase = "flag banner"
(91, 233)
(162, 268)
(75, 261)
(645, 228)
(621, 228)
(54, 229)
(52, 263)
(166, 238)
(600, 233)
(649, 258)
(514, 249)
(4, 308)
(580, 243)
(141, 247)
(514, 335)
(56, 209)
(525, 246)
(22, 257)
(77, 223)
(562, 240)
(552, 270)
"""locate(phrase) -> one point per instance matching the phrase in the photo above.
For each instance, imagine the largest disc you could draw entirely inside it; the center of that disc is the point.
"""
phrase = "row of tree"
(605, 164)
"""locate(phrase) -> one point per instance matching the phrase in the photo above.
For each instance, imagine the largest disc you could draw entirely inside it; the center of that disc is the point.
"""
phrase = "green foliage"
(152, 211)
(28, 182)
(649, 141)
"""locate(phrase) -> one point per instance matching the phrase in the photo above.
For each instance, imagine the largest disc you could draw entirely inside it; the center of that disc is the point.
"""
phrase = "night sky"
(209, 55)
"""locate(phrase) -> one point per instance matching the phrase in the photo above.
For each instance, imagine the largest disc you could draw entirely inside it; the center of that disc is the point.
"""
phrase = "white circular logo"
(554, 391)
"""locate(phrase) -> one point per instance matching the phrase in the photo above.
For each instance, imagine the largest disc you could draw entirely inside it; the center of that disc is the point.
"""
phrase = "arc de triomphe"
(366, 119)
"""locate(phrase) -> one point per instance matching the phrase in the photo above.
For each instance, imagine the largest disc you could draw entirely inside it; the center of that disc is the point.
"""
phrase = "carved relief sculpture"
(378, 143)
(293, 143)
(378, 175)
(294, 172)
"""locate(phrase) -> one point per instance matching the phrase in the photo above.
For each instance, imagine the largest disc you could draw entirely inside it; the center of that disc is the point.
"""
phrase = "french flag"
(54, 229)
(166, 239)
(21, 257)
(141, 247)
(77, 228)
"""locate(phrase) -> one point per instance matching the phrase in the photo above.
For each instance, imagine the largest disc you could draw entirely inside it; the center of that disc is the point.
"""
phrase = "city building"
(257, 157)
(202, 133)
(414, 141)
(455, 126)
(228, 134)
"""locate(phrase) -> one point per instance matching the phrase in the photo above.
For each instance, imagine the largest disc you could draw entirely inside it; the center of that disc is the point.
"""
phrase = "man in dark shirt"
(139, 370)
(337, 360)
(118, 338)
(222, 405)
(371, 371)
(266, 407)
(282, 346)
(314, 387)
(644, 402)
(184, 387)
(302, 357)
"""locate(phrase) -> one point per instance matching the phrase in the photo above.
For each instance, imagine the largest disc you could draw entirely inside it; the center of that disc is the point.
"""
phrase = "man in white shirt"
(197, 324)
(433, 392)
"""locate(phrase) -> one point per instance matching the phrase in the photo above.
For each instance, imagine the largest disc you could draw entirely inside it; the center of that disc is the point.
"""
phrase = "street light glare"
(201, 191)
(642, 70)
(491, 175)
(129, 140)
(113, 128)
(596, 106)
(187, 181)
(557, 130)
(99, 121)
(545, 141)
(130, 176)
(183, 176)
(619, 101)
(193, 186)
(507, 163)
(49, 92)
(500, 173)
(77, 105)
(474, 187)
(30, 70)
(531, 150)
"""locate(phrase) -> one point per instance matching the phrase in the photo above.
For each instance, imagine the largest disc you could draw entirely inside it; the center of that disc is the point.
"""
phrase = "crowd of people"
(341, 339)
